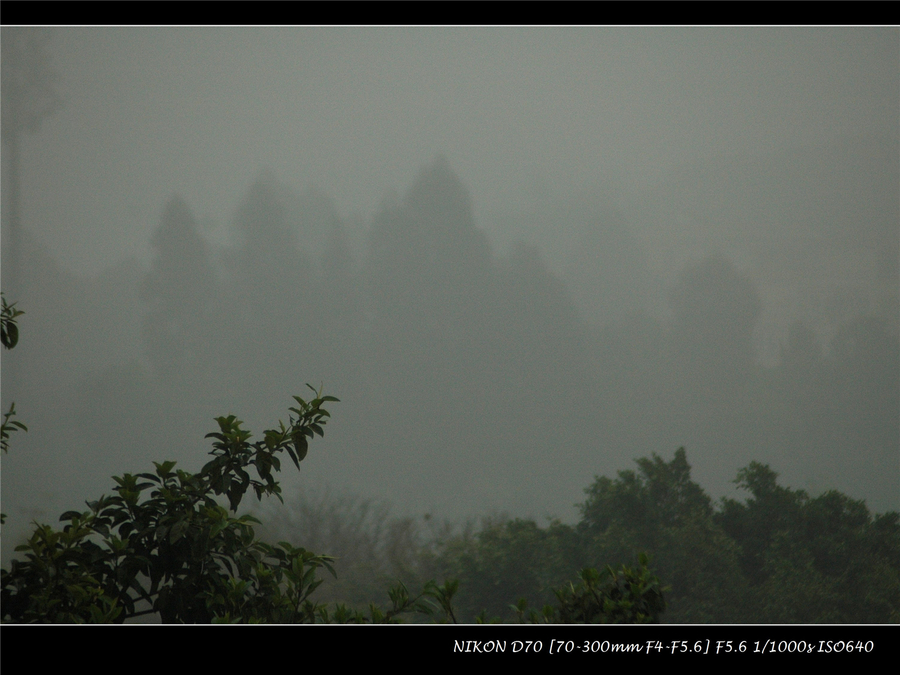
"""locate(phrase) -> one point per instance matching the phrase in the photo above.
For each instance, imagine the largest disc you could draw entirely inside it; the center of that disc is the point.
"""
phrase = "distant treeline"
(471, 380)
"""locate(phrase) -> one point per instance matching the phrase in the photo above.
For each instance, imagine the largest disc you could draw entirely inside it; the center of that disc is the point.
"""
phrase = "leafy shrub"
(164, 544)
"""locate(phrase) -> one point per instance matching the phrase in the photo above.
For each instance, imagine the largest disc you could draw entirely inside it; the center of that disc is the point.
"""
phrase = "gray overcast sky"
(149, 112)
(524, 116)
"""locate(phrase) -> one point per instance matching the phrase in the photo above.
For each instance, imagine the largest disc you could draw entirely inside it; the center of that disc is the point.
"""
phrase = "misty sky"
(624, 156)
(356, 111)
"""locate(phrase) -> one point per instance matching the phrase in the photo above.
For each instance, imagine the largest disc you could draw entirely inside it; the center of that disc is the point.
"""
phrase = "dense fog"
(521, 257)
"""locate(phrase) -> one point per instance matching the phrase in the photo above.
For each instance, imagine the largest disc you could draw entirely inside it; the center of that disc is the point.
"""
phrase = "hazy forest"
(523, 392)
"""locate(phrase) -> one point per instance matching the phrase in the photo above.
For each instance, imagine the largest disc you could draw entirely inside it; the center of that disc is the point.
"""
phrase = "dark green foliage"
(9, 331)
(505, 561)
(661, 495)
(626, 595)
(9, 425)
(813, 560)
(661, 511)
(519, 559)
(163, 543)
(771, 509)
(9, 336)
(780, 557)
(434, 601)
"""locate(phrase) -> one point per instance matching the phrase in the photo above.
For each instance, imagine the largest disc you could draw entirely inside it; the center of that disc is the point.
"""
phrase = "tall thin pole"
(12, 276)
(27, 97)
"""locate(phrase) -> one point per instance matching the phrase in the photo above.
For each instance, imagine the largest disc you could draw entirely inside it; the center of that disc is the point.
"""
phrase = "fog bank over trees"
(491, 354)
